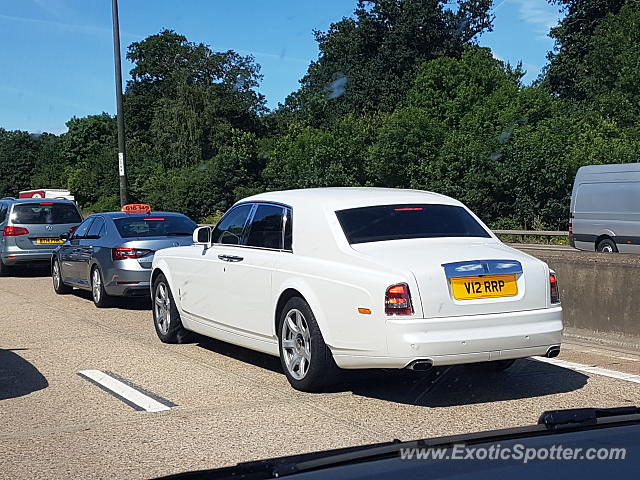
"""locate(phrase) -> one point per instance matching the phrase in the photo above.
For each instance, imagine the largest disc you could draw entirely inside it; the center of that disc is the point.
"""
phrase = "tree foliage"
(184, 99)
(367, 62)
(18, 156)
(571, 61)
(612, 64)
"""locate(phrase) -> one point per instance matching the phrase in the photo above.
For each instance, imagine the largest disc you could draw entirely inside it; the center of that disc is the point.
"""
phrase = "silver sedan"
(110, 254)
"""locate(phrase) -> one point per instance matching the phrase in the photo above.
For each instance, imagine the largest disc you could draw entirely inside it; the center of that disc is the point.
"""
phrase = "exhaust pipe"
(420, 365)
(553, 352)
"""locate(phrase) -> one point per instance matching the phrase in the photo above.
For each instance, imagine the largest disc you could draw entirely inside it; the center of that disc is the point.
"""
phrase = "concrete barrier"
(600, 294)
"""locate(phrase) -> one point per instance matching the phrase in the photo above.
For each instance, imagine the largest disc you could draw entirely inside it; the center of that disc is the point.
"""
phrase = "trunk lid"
(155, 244)
(42, 237)
(433, 262)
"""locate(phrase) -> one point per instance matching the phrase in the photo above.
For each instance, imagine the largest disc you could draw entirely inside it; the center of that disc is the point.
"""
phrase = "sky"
(56, 60)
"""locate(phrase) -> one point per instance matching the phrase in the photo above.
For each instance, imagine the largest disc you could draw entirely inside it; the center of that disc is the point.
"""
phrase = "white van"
(605, 209)
(47, 193)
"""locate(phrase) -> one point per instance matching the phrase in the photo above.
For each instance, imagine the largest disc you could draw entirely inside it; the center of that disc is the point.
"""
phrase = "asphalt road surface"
(220, 405)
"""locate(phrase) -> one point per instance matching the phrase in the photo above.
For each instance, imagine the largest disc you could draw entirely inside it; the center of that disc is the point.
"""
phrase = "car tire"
(100, 297)
(607, 246)
(166, 317)
(59, 286)
(306, 360)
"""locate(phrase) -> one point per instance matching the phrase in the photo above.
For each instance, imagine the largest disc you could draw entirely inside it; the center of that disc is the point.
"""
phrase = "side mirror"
(202, 236)
(65, 236)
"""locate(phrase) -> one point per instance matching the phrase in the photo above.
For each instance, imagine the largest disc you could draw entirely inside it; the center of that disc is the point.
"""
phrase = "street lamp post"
(118, 66)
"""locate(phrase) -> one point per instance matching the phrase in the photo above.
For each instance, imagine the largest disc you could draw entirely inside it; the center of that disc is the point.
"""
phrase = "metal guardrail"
(548, 234)
(532, 233)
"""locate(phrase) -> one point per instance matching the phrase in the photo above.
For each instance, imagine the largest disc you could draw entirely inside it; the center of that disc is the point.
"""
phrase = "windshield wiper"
(572, 417)
(179, 234)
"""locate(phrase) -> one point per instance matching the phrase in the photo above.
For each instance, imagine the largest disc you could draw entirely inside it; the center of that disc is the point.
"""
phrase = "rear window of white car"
(46, 213)
(155, 226)
(396, 222)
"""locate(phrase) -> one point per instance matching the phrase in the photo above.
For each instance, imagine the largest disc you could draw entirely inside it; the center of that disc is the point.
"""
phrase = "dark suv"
(30, 228)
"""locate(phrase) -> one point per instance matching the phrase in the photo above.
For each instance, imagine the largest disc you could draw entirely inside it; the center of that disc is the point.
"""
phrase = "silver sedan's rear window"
(152, 225)
(395, 222)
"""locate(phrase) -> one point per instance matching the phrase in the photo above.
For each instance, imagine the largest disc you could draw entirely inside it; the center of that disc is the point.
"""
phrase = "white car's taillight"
(397, 300)
(553, 288)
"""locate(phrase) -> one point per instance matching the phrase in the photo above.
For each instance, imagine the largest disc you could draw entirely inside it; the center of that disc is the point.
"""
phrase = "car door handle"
(230, 258)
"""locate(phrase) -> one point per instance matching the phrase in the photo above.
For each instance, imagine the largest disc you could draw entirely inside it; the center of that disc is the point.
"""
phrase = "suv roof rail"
(8, 198)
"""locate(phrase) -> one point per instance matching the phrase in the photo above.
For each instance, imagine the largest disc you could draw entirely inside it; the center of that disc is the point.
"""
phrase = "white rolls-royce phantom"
(357, 278)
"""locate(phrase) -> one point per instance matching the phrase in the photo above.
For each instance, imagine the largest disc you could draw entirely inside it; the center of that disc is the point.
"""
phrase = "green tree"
(407, 150)
(89, 149)
(368, 62)
(214, 185)
(183, 98)
(449, 136)
(543, 159)
(50, 167)
(568, 64)
(18, 157)
(612, 66)
(308, 157)
(470, 130)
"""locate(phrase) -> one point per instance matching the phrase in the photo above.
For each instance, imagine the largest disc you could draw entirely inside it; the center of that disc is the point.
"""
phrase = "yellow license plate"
(48, 241)
(487, 286)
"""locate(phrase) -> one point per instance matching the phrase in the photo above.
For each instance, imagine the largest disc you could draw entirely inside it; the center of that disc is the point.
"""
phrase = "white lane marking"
(578, 367)
(628, 358)
(125, 391)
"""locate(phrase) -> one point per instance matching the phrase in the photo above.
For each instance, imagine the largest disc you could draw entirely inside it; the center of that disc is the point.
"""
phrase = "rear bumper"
(466, 339)
(19, 256)
(127, 283)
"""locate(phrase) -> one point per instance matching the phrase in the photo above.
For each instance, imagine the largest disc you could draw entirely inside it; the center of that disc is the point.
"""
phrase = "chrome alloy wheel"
(162, 308)
(56, 275)
(96, 285)
(296, 344)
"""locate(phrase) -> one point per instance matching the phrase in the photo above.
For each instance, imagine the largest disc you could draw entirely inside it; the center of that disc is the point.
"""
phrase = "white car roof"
(338, 198)
(317, 232)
